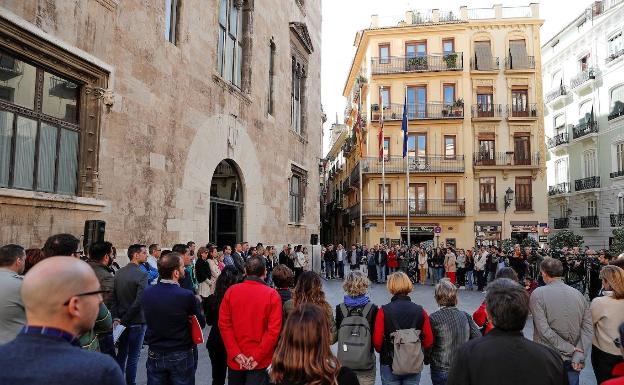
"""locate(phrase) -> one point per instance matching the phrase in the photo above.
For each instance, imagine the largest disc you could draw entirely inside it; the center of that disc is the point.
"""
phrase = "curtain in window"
(518, 52)
(6, 136)
(483, 56)
(47, 158)
(617, 99)
(68, 162)
(25, 153)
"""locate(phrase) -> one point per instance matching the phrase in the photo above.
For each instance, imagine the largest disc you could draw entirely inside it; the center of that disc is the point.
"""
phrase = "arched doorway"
(226, 205)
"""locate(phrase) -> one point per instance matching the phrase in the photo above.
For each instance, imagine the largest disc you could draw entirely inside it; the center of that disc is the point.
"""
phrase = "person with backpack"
(355, 321)
(402, 333)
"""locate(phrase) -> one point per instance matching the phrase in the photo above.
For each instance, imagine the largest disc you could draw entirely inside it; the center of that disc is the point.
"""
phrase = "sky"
(343, 18)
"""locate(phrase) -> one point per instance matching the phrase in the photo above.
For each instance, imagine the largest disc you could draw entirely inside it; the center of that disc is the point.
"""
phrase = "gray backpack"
(407, 354)
(354, 339)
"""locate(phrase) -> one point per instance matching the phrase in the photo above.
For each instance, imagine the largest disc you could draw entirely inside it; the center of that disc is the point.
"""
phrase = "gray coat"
(562, 320)
(130, 281)
(107, 281)
(12, 314)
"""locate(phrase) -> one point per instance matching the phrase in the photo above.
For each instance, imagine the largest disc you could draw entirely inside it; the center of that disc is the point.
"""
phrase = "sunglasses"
(85, 294)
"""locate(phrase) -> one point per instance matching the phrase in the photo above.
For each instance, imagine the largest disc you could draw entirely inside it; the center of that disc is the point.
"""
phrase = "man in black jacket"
(330, 262)
(130, 281)
(239, 260)
(504, 356)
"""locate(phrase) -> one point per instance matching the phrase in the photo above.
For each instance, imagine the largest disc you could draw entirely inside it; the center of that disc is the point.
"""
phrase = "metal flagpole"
(407, 168)
(360, 165)
(383, 167)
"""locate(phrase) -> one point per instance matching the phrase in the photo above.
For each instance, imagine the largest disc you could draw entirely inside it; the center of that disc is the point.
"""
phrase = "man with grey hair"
(451, 329)
(562, 319)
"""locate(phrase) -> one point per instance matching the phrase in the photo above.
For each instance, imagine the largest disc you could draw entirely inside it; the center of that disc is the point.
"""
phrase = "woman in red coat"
(393, 261)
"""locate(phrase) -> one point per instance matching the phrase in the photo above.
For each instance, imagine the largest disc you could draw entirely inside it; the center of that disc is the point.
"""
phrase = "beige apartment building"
(472, 82)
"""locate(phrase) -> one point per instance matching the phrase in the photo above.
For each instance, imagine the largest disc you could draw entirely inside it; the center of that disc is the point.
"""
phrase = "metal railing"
(481, 13)
(617, 111)
(418, 164)
(520, 63)
(617, 220)
(555, 93)
(354, 178)
(417, 207)
(505, 159)
(558, 140)
(480, 64)
(616, 174)
(421, 111)
(561, 223)
(559, 188)
(487, 111)
(614, 55)
(583, 129)
(582, 77)
(426, 63)
(587, 183)
(522, 111)
(524, 203)
(487, 206)
(516, 12)
(590, 221)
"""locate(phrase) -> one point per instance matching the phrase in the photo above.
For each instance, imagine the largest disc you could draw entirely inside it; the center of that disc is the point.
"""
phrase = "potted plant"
(375, 107)
(421, 62)
(361, 80)
(450, 60)
(459, 107)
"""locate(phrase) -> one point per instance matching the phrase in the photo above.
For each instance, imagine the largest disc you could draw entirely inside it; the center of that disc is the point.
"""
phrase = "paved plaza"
(423, 295)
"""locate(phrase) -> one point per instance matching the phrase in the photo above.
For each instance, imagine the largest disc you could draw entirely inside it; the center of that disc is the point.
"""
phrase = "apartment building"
(584, 120)
(471, 80)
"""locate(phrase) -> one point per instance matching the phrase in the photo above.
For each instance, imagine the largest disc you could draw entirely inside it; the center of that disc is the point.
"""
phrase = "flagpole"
(383, 169)
(360, 163)
(406, 143)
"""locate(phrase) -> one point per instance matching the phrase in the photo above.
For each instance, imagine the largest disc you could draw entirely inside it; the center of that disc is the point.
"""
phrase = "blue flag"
(404, 127)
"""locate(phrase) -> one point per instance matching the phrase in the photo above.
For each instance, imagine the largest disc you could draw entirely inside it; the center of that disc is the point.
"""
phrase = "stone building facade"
(170, 120)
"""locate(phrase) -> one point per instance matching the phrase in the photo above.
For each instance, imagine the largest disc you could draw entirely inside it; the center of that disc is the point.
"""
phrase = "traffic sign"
(437, 229)
(546, 230)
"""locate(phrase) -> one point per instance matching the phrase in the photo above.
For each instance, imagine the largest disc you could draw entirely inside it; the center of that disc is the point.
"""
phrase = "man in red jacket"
(250, 319)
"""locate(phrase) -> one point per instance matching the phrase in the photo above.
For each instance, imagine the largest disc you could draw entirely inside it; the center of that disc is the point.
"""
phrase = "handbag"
(196, 332)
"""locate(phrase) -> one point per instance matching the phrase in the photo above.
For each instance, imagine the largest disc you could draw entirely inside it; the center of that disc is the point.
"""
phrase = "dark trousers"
(107, 344)
(129, 349)
(480, 274)
(603, 364)
(461, 276)
(174, 368)
(340, 269)
(218, 362)
(298, 272)
(248, 377)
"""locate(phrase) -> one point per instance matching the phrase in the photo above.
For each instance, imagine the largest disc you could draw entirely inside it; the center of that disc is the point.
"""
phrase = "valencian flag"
(404, 127)
(381, 134)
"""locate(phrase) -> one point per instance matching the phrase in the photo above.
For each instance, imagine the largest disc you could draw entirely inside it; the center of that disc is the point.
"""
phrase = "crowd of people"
(84, 319)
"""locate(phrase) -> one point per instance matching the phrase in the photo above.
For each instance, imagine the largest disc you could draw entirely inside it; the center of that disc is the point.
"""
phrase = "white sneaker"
(462, 288)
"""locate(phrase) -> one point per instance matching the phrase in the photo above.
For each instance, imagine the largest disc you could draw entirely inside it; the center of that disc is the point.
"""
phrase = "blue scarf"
(358, 301)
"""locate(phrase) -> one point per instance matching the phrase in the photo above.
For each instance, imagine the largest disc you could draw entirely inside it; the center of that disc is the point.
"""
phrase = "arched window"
(483, 59)
(585, 112)
(617, 102)
(557, 79)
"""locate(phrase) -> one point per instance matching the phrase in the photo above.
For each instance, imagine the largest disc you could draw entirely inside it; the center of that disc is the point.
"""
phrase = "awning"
(523, 223)
(490, 223)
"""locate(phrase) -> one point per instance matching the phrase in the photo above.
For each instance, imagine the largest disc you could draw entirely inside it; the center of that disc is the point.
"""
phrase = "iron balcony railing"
(353, 212)
(522, 110)
(614, 55)
(487, 206)
(616, 174)
(524, 203)
(417, 164)
(426, 63)
(562, 223)
(354, 178)
(587, 183)
(583, 129)
(590, 222)
(617, 220)
(520, 63)
(505, 159)
(559, 188)
(487, 111)
(558, 140)
(582, 77)
(554, 94)
(417, 207)
(485, 64)
(617, 111)
(421, 111)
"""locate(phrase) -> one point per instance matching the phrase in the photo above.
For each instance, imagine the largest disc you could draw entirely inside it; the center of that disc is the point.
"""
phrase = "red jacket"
(378, 334)
(250, 320)
(392, 260)
(618, 373)
(480, 318)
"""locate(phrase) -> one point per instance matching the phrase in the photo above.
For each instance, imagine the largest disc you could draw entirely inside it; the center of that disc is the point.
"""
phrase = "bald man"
(62, 296)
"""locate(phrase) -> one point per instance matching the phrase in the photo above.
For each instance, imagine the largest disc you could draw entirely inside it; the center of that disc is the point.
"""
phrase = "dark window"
(522, 150)
(172, 8)
(450, 192)
(487, 194)
(519, 103)
(271, 77)
(297, 95)
(523, 193)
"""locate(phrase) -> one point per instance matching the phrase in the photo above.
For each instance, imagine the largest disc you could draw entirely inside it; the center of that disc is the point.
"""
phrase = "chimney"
(374, 21)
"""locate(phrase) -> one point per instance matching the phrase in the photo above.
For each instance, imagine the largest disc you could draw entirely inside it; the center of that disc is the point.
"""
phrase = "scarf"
(358, 301)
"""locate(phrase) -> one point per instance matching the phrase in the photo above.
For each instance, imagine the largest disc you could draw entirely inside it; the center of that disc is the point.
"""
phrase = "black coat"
(202, 270)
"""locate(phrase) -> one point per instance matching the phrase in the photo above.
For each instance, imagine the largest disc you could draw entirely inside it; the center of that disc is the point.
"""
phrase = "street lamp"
(509, 196)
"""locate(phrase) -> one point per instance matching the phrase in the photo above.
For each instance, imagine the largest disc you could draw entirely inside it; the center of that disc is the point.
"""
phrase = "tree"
(565, 238)
(618, 240)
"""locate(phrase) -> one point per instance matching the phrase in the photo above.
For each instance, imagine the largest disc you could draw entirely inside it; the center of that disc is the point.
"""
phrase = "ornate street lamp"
(509, 196)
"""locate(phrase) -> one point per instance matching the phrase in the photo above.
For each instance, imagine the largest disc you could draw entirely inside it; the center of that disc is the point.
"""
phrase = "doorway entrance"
(226, 205)
(418, 234)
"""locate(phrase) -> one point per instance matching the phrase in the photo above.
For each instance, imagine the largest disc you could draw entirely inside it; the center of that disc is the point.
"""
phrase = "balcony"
(558, 140)
(555, 96)
(487, 111)
(520, 63)
(584, 129)
(614, 55)
(484, 64)
(617, 220)
(616, 174)
(617, 111)
(421, 111)
(417, 208)
(590, 222)
(562, 223)
(583, 79)
(491, 159)
(418, 165)
(522, 111)
(354, 178)
(353, 212)
(427, 63)
(487, 206)
(587, 183)
(558, 189)
(524, 203)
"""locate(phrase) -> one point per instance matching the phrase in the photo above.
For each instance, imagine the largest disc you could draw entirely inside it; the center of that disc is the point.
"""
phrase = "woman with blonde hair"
(303, 355)
(357, 304)
(309, 289)
(607, 315)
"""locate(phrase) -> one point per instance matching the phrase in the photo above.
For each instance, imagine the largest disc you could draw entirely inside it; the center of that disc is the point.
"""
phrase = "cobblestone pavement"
(423, 295)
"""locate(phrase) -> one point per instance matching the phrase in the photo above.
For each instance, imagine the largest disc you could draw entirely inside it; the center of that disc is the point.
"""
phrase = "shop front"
(522, 230)
(488, 233)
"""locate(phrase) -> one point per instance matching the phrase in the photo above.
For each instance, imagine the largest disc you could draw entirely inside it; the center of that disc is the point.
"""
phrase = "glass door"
(418, 198)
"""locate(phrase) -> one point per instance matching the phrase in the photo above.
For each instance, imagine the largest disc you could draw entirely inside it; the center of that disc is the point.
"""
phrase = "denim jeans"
(329, 269)
(388, 378)
(573, 375)
(381, 273)
(438, 377)
(438, 272)
(469, 280)
(129, 350)
(174, 368)
(248, 377)
(340, 269)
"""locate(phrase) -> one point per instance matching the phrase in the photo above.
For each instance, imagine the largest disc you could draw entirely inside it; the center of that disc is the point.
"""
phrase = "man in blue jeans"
(168, 308)
(130, 281)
